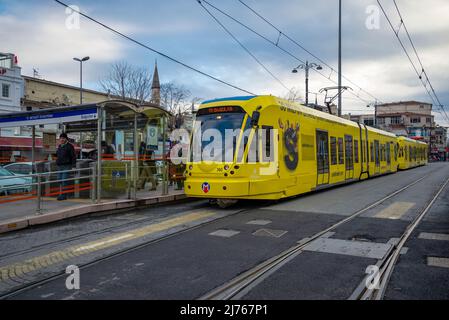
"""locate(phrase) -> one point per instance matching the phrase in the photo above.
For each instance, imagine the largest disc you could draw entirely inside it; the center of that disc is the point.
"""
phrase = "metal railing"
(126, 182)
(33, 189)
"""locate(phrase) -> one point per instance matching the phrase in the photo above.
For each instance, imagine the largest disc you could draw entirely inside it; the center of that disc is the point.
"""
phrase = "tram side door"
(322, 147)
(349, 157)
(376, 157)
(388, 155)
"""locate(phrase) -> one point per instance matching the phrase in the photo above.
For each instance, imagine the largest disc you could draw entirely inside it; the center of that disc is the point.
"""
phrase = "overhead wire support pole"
(301, 46)
(339, 58)
(276, 45)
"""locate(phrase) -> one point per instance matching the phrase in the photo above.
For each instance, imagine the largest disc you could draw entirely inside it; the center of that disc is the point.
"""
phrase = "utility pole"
(339, 58)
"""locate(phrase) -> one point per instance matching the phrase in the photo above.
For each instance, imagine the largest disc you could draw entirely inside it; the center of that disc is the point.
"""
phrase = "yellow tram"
(280, 149)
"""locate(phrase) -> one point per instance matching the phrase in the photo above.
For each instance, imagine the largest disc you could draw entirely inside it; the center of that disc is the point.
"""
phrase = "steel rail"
(236, 286)
(20, 289)
(388, 263)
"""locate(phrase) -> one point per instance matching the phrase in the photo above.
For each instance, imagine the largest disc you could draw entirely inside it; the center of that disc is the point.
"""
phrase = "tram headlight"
(190, 167)
(226, 167)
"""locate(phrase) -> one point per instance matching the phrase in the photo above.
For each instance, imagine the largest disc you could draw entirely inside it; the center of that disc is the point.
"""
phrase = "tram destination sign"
(224, 109)
(61, 116)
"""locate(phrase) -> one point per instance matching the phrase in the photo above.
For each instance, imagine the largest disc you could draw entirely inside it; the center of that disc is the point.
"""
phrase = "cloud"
(372, 59)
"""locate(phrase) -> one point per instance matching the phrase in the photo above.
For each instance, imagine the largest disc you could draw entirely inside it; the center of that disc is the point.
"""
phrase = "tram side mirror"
(255, 118)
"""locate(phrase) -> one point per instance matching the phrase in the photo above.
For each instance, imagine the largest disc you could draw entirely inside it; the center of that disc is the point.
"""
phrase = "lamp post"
(306, 67)
(375, 112)
(81, 75)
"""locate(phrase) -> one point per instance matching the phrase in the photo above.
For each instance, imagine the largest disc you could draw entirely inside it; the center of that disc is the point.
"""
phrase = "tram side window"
(333, 150)
(253, 151)
(349, 153)
(377, 151)
(341, 159)
(267, 139)
(371, 151)
(356, 151)
(362, 144)
(410, 153)
(388, 149)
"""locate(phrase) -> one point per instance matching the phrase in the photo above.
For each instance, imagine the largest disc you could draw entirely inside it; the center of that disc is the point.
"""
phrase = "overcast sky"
(372, 58)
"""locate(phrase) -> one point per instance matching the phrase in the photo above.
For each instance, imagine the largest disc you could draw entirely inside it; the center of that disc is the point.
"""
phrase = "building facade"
(11, 83)
(39, 93)
(412, 119)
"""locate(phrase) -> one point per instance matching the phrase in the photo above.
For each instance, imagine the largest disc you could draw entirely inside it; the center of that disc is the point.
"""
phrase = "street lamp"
(375, 112)
(306, 67)
(81, 75)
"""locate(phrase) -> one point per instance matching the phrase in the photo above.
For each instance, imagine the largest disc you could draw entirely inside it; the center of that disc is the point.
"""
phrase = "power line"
(276, 45)
(281, 33)
(434, 98)
(154, 50)
(417, 56)
(242, 45)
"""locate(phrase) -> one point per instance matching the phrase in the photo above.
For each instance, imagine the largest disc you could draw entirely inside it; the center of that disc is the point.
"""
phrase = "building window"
(5, 90)
(368, 122)
(415, 120)
(429, 120)
(380, 120)
(396, 120)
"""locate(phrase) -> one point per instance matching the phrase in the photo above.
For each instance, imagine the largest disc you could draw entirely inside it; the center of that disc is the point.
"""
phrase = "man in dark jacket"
(65, 162)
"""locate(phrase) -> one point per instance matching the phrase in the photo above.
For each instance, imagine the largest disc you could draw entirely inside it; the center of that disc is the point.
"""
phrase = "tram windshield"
(215, 134)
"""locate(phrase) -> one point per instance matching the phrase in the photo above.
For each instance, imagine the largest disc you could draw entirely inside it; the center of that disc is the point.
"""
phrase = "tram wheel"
(225, 203)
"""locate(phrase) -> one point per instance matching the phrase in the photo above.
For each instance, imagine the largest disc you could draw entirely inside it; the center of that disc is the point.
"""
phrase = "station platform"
(22, 214)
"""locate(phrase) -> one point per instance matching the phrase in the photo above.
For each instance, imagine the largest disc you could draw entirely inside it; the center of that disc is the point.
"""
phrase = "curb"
(28, 221)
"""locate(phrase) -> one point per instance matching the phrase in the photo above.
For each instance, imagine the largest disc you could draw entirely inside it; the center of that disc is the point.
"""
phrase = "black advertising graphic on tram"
(224, 109)
(291, 144)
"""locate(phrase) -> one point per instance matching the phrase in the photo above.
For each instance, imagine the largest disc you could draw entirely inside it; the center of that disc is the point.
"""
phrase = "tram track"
(57, 275)
(242, 284)
(231, 289)
(80, 236)
(387, 264)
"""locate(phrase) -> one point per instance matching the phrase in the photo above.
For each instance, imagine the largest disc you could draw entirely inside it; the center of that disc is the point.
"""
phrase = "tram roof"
(411, 140)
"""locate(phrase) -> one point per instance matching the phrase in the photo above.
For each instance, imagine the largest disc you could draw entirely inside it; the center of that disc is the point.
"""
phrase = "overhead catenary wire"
(423, 71)
(243, 46)
(277, 45)
(433, 97)
(154, 50)
(282, 33)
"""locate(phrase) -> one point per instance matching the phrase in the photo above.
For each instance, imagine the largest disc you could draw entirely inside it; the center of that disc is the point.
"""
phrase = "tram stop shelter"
(123, 145)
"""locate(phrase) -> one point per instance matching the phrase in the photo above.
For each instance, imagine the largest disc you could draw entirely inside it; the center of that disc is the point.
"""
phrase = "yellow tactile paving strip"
(17, 270)
(395, 210)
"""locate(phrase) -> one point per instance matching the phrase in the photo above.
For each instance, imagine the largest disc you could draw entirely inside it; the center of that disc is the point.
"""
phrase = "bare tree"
(293, 95)
(175, 98)
(128, 82)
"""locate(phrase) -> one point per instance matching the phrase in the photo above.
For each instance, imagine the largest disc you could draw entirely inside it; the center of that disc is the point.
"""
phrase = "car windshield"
(209, 138)
(5, 173)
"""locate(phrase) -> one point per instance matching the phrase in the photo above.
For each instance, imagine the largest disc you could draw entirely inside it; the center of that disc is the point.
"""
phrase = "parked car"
(9, 179)
(19, 167)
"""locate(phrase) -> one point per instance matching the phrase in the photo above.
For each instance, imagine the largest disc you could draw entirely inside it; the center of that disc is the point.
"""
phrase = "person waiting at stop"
(65, 162)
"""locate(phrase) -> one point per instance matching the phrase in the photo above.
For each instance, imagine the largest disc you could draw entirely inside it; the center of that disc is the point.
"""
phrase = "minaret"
(156, 87)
